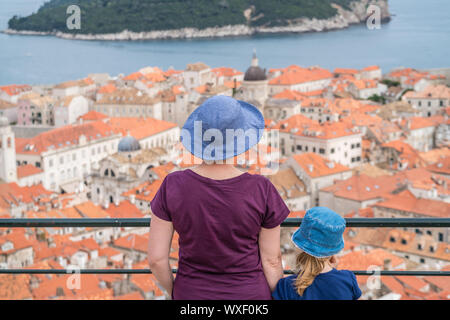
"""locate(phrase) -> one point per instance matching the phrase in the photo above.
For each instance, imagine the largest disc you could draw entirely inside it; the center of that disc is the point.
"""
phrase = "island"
(169, 19)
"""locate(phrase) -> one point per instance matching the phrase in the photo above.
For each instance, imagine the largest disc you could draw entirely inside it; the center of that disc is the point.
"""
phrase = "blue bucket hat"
(321, 233)
(221, 128)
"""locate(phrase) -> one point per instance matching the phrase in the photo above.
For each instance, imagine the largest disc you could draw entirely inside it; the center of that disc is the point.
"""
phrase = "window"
(358, 145)
(429, 233)
(321, 151)
(422, 260)
(38, 164)
(358, 158)
(392, 239)
(74, 156)
(299, 147)
(419, 247)
(61, 160)
(332, 150)
(314, 149)
(431, 249)
(441, 103)
(404, 241)
(352, 146)
(441, 236)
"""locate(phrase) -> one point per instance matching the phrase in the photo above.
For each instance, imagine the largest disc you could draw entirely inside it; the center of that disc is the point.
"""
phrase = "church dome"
(129, 144)
(255, 73)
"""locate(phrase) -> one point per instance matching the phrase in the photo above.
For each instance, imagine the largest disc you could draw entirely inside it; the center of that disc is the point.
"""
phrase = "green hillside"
(103, 16)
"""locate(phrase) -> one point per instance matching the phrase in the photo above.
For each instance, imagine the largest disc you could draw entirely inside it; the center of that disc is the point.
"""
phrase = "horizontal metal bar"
(148, 271)
(290, 222)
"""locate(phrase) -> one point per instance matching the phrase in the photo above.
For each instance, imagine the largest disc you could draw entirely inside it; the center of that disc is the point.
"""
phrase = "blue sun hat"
(321, 233)
(221, 128)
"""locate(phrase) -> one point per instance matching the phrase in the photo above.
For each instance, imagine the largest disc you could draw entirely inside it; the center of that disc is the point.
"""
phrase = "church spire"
(254, 59)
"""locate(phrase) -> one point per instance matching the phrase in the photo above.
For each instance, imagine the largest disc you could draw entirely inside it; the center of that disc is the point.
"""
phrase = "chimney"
(387, 264)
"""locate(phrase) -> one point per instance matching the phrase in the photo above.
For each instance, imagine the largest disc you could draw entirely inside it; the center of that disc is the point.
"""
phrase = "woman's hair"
(309, 267)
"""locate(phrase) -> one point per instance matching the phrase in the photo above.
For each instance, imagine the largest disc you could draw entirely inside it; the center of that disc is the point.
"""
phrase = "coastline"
(342, 20)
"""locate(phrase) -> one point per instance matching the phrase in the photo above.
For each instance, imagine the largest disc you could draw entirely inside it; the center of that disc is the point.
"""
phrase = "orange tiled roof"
(12, 194)
(108, 88)
(371, 68)
(15, 89)
(226, 72)
(360, 260)
(441, 167)
(430, 92)
(93, 116)
(345, 71)
(63, 137)
(125, 209)
(295, 75)
(419, 122)
(15, 287)
(139, 128)
(290, 95)
(133, 242)
(420, 206)
(145, 191)
(133, 76)
(392, 284)
(27, 170)
(315, 165)
(362, 187)
(326, 130)
(146, 283)
(90, 210)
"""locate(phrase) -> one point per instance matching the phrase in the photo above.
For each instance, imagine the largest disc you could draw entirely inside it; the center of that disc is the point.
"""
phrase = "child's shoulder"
(343, 273)
(285, 289)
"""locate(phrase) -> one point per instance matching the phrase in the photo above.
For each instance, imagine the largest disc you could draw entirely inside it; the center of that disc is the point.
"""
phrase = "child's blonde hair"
(309, 267)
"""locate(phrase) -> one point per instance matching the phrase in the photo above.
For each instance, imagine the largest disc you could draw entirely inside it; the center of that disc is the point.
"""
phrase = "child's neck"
(327, 268)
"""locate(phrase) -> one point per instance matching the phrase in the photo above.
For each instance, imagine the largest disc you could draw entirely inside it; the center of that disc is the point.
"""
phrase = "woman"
(228, 221)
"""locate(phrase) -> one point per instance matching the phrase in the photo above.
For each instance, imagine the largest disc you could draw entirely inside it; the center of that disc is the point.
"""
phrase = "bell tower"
(8, 166)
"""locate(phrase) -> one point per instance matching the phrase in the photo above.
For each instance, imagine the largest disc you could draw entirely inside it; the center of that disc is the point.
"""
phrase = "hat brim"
(252, 118)
(314, 250)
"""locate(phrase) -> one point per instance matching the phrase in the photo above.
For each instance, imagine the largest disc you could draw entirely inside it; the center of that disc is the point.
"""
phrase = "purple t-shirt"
(218, 222)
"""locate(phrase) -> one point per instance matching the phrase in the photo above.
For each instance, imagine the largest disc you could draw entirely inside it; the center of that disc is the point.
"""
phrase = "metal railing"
(145, 222)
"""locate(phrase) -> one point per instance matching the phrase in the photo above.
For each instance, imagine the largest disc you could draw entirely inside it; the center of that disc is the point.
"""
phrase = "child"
(319, 238)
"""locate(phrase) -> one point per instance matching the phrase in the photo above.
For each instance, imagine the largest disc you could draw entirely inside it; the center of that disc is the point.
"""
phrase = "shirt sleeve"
(159, 203)
(276, 209)
(356, 290)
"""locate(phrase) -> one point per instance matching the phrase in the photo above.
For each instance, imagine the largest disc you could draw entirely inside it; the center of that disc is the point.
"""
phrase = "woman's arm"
(270, 252)
(160, 239)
